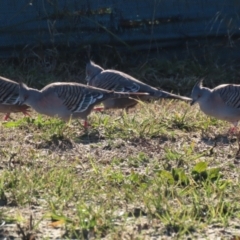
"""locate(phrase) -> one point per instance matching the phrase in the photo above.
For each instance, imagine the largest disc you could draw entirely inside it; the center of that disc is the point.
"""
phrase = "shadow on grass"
(89, 136)
(220, 138)
(55, 140)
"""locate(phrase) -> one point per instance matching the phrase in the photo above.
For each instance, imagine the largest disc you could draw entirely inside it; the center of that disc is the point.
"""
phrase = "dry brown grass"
(130, 176)
(163, 170)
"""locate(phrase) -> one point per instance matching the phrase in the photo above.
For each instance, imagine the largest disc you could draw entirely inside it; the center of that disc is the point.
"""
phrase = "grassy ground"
(164, 170)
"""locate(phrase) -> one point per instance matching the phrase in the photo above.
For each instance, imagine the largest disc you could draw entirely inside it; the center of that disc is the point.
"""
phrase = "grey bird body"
(118, 81)
(9, 98)
(66, 100)
(222, 102)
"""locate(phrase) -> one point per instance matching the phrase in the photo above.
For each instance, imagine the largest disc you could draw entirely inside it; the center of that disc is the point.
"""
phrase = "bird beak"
(192, 102)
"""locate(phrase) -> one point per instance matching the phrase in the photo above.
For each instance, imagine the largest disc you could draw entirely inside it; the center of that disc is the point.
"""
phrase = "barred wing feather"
(77, 98)
(115, 82)
(8, 92)
(230, 94)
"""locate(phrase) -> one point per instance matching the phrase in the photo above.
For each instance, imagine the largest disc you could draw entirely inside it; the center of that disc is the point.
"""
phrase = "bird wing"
(77, 97)
(116, 81)
(8, 91)
(230, 94)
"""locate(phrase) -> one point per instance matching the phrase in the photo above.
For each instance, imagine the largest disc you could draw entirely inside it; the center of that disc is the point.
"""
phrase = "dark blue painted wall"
(124, 22)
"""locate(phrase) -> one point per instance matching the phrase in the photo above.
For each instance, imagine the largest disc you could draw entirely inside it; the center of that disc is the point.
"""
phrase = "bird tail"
(128, 94)
(163, 94)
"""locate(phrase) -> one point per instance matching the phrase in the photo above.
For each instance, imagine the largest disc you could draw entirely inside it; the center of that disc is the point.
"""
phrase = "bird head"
(92, 70)
(196, 92)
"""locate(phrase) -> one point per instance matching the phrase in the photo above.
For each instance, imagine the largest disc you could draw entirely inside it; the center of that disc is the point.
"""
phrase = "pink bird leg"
(234, 129)
(25, 112)
(86, 124)
(6, 117)
(98, 109)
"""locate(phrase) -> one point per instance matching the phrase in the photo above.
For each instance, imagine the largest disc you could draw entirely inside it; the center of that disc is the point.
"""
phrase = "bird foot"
(26, 113)
(232, 130)
(98, 109)
(6, 117)
(86, 124)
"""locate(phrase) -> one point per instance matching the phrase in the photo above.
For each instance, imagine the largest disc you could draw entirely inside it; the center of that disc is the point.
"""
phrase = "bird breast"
(214, 106)
(50, 105)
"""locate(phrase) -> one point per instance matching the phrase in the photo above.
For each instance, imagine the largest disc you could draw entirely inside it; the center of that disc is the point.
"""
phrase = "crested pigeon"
(9, 101)
(118, 81)
(67, 100)
(221, 102)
